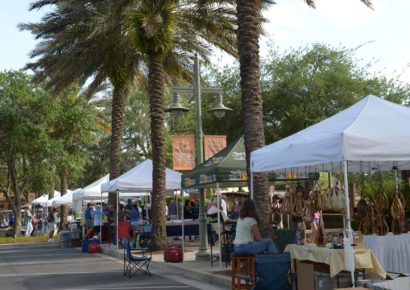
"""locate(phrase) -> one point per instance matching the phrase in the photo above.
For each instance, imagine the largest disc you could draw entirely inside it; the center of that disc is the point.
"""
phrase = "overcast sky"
(292, 24)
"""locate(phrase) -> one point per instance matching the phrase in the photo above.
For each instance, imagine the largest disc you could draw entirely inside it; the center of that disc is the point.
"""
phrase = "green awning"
(227, 167)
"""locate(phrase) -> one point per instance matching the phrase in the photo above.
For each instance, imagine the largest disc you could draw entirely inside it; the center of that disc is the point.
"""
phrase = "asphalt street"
(45, 266)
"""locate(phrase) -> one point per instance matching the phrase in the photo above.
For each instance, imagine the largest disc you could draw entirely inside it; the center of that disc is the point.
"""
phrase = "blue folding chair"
(137, 263)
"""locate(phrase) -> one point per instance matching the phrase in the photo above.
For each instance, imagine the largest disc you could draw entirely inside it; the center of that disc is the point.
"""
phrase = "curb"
(182, 269)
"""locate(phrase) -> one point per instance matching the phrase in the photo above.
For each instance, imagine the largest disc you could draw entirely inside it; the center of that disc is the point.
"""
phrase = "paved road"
(44, 266)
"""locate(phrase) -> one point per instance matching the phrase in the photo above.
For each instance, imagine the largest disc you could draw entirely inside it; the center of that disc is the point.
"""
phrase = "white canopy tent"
(56, 195)
(373, 134)
(138, 180)
(42, 200)
(91, 191)
(66, 199)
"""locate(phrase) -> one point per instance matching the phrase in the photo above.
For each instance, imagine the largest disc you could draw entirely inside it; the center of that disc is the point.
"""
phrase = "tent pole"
(251, 185)
(116, 221)
(101, 217)
(348, 249)
(218, 195)
(183, 225)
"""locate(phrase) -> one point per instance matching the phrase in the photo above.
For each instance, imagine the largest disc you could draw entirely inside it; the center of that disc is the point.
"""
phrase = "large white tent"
(42, 200)
(372, 134)
(139, 179)
(91, 191)
(57, 194)
(66, 199)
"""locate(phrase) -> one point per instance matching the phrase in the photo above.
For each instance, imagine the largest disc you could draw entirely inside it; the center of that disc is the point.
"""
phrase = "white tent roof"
(56, 195)
(42, 200)
(139, 179)
(372, 134)
(66, 198)
(92, 190)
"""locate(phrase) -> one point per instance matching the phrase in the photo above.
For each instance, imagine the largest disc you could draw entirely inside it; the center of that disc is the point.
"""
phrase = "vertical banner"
(183, 152)
(213, 144)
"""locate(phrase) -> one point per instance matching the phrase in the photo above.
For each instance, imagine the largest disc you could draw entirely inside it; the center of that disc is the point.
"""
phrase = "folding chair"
(134, 263)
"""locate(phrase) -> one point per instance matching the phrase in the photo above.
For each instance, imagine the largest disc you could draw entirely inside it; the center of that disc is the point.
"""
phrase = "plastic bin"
(64, 239)
(85, 243)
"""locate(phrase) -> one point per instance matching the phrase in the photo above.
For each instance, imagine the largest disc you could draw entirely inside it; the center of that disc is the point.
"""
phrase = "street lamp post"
(219, 110)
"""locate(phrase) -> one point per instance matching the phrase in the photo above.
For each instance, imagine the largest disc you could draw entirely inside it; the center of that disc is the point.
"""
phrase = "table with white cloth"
(364, 258)
(392, 251)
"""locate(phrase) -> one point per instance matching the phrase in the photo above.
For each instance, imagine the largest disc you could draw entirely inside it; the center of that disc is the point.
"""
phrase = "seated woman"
(248, 239)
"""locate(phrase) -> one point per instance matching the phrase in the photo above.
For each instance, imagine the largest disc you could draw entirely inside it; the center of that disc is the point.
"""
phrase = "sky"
(379, 31)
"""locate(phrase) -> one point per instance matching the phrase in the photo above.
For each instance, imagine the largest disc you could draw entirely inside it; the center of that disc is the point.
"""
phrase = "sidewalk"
(201, 271)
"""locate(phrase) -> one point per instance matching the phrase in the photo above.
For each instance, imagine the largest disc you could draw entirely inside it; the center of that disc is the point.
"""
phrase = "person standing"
(88, 216)
(51, 225)
(195, 209)
(97, 218)
(248, 239)
(27, 219)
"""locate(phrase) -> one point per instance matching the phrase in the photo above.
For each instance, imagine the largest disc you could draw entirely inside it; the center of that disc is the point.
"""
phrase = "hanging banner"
(213, 144)
(183, 152)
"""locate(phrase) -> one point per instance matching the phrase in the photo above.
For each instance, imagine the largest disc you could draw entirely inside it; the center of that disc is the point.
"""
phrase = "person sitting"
(212, 214)
(248, 239)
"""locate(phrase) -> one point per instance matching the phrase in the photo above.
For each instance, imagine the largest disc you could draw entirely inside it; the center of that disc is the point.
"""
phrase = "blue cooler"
(85, 243)
(273, 271)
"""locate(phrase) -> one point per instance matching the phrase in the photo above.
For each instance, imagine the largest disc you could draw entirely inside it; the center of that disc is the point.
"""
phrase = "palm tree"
(98, 38)
(164, 29)
(78, 44)
(249, 29)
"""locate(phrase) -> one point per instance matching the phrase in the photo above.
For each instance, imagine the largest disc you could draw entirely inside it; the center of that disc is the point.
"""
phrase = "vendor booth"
(89, 192)
(371, 135)
(138, 181)
(227, 168)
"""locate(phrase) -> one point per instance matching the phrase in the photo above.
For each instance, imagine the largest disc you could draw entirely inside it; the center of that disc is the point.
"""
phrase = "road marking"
(133, 287)
(51, 274)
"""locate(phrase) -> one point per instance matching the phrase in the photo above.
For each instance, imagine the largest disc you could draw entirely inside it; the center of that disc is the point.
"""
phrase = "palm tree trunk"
(119, 99)
(248, 15)
(64, 190)
(157, 105)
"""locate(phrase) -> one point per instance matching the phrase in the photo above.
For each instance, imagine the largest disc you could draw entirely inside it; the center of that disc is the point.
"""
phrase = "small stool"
(243, 271)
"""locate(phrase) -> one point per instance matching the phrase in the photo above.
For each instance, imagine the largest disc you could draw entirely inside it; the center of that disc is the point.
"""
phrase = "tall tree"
(306, 85)
(24, 142)
(248, 32)
(78, 44)
(164, 29)
(166, 33)
(73, 128)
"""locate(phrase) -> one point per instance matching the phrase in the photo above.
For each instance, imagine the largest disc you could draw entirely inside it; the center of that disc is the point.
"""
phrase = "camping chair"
(137, 263)
(227, 246)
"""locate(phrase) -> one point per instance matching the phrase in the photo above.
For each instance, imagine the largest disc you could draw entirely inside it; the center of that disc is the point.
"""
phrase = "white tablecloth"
(392, 251)
(396, 284)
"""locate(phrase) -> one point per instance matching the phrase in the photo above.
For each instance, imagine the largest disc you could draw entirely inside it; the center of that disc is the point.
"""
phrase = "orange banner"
(183, 152)
(213, 144)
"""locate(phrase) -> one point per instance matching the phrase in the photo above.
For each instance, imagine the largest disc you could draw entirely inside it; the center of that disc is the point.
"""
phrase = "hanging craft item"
(337, 200)
(362, 210)
(397, 214)
(382, 203)
(326, 200)
(287, 202)
(309, 209)
(297, 203)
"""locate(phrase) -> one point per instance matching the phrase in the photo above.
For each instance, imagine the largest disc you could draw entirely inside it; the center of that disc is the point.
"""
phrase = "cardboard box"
(305, 273)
